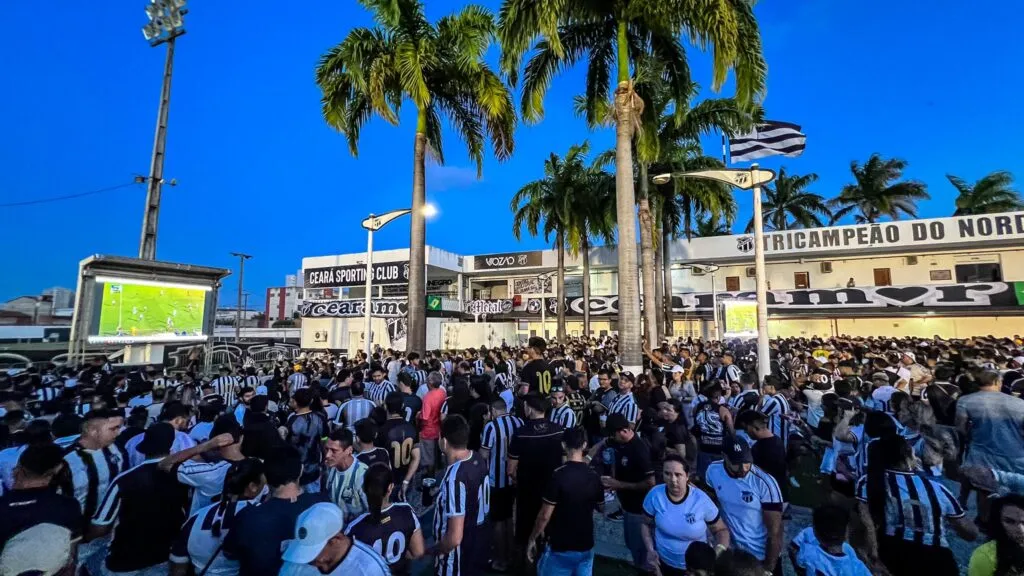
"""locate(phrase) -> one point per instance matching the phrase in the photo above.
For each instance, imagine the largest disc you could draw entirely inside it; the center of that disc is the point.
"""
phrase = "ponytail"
(376, 484)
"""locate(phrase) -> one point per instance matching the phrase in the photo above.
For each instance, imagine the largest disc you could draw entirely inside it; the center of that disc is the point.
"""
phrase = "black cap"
(737, 451)
(615, 423)
(628, 376)
(158, 440)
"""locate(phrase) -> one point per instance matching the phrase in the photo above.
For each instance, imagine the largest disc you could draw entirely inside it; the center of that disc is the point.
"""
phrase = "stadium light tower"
(241, 278)
(166, 23)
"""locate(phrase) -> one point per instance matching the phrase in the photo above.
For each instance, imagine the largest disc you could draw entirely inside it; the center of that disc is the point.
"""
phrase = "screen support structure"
(87, 311)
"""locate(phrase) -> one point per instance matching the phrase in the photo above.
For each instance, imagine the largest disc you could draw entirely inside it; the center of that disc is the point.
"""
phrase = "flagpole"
(725, 157)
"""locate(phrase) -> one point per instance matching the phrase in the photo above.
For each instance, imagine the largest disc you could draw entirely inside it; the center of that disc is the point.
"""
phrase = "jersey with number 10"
(398, 437)
(538, 375)
(389, 535)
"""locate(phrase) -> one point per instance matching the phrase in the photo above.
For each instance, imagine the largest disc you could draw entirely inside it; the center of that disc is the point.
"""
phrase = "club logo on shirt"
(624, 461)
(748, 497)
(691, 519)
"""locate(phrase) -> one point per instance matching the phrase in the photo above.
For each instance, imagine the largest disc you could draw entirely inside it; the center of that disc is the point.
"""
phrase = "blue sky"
(259, 172)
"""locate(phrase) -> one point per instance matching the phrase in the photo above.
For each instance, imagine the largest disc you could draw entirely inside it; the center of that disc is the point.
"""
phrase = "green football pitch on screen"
(144, 310)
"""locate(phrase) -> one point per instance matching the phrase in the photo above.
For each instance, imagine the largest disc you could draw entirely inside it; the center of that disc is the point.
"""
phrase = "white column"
(369, 286)
(763, 364)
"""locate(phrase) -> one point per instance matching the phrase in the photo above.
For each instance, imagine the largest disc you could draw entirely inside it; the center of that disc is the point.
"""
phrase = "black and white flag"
(769, 139)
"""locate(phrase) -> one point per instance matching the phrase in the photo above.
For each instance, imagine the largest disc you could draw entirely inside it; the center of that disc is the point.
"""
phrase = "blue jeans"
(565, 563)
(631, 530)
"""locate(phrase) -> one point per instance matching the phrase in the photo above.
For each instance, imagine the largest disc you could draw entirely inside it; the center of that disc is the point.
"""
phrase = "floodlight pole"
(372, 224)
(241, 277)
(745, 179)
(147, 244)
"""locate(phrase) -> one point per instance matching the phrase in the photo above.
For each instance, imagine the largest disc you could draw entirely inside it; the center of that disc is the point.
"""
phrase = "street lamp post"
(372, 224)
(241, 278)
(747, 179)
(544, 303)
(166, 23)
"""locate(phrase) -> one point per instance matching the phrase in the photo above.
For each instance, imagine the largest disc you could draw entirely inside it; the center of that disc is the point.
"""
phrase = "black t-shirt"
(389, 534)
(633, 464)
(537, 445)
(575, 489)
(770, 455)
(538, 374)
(256, 537)
(148, 506)
(375, 455)
(675, 433)
(398, 437)
(23, 509)
(413, 406)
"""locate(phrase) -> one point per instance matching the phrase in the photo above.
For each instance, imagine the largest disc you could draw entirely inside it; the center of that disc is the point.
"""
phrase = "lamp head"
(660, 179)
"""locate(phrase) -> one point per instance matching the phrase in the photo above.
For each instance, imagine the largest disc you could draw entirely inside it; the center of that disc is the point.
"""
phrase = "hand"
(401, 491)
(531, 550)
(653, 565)
(979, 477)
(220, 441)
(610, 483)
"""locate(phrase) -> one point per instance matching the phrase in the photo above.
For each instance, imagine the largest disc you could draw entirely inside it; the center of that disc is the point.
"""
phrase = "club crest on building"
(745, 244)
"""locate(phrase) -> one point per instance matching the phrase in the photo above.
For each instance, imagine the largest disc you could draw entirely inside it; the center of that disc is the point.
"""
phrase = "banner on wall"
(508, 260)
(379, 308)
(969, 295)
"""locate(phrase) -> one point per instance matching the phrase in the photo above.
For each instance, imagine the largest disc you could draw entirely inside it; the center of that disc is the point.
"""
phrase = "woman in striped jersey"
(907, 514)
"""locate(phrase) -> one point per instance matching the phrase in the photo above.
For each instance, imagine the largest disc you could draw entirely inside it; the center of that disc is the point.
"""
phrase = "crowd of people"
(510, 454)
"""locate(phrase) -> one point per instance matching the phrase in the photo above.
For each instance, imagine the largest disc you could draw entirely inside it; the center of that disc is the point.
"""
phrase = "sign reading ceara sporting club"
(355, 275)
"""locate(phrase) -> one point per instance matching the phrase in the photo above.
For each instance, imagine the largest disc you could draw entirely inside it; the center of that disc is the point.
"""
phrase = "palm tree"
(789, 206)
(611, 35)
(555, 201)
(991, 194)
(439, 68)
(681, 200)
(593, 217)
(878, 192)
(708, 225)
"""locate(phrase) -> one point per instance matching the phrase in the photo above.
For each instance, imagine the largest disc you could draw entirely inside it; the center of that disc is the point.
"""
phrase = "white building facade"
(956, 277)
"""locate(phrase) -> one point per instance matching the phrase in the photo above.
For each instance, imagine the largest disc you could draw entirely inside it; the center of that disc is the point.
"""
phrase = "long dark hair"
(1009, 555)
(238, 478)
(889, 452)
(375, 485)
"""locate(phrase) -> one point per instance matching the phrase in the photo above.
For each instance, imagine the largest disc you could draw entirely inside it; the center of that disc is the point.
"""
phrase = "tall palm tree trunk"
(666, 270)
(585, 248)
(650, 291)
(625, 210)
(416, 341)
(659, 280)
(560, 301)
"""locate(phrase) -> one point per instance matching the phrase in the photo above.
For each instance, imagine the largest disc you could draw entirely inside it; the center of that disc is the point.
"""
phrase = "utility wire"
(68, 197)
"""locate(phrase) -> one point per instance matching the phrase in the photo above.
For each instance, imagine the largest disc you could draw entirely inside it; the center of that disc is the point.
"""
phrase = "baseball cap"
(42, 550)
(157, 440)
(911, 356)
(314, 528)
(628, 376)
(677, 368)
(261, 390)
(1019, 360)
(737, 451)
(615, 423)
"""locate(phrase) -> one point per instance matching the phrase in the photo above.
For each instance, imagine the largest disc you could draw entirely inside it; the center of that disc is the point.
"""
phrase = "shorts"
(502, 502)
(428, 453)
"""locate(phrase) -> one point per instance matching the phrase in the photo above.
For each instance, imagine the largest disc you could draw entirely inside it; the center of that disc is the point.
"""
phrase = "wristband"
(719, 549)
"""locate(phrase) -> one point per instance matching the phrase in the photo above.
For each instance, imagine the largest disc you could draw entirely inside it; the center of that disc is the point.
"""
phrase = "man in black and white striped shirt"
(478, 362)
(624, 403)
(494, 448)
(297, 380)
(94, 460)
(224, 385)
(381, 385)
(418, 373)
(251, 380)
(561, 413)
(355, 409)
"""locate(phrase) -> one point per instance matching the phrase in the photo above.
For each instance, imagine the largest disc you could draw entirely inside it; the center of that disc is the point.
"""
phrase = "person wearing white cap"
(919, 376)
(320, 541)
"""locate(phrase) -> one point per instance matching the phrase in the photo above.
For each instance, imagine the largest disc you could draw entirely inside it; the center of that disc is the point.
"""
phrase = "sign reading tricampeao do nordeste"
(958, 230)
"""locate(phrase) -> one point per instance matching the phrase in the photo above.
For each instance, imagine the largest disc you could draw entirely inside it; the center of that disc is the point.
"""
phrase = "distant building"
(61, 297)
(282, 303)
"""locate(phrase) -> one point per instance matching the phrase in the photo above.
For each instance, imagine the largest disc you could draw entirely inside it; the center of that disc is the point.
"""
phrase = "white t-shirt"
(360, 559)
(677, 525)
(742, 501)
(206, 479)
(815, 411)
(808, 555)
